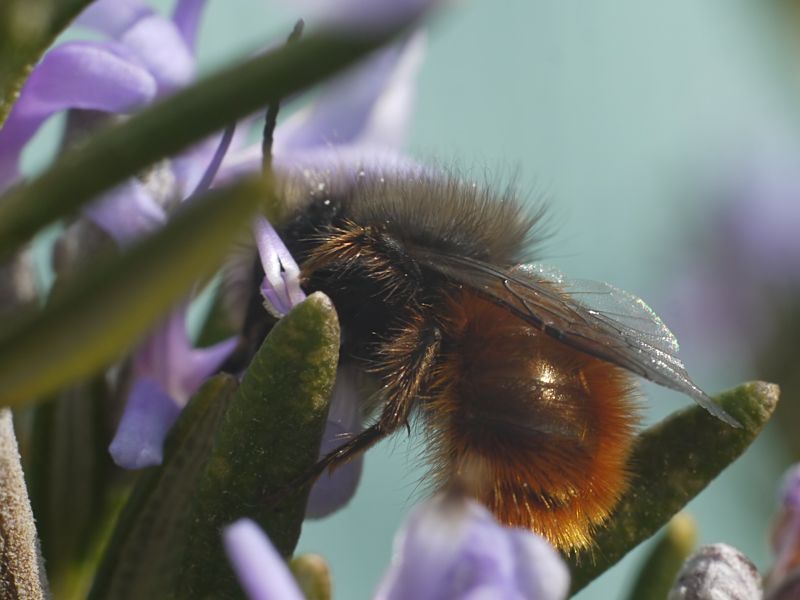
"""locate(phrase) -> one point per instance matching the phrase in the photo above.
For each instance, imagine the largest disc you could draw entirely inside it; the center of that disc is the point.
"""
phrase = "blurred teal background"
(621, 114)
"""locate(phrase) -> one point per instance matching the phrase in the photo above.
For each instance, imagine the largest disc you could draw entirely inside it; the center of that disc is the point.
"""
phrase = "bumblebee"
(522, 380)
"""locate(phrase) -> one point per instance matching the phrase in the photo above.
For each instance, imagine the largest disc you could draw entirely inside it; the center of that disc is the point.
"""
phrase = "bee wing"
(590, 316)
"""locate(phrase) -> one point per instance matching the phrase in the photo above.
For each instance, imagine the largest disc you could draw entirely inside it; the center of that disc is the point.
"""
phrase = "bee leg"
(406, 365)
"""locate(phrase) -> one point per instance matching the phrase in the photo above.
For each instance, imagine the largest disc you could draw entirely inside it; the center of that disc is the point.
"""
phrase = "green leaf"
(163, 130)
(270, 436)
(673, 461)
(72, 482)
(661, 566)
(27, 28)
(98, 315)
(143, 555)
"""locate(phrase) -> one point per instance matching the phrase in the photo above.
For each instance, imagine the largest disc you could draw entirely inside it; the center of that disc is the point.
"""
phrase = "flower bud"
(717, 572)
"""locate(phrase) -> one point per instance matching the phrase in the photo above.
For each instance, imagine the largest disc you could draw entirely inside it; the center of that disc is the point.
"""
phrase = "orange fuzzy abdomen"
(540, 432)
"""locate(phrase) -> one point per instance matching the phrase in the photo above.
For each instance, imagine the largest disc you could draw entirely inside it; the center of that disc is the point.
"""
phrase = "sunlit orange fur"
(540, 432)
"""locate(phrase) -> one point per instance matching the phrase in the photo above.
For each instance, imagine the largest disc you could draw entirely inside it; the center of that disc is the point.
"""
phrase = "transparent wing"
(612, 305)
(593, 317)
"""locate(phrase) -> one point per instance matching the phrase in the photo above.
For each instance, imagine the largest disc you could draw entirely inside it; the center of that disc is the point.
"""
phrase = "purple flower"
(786, 531)
(747, 267)
(359, 121)
(333, 490)
(167, 371)
(144, 56)
(281, 284)
(761, 221)
(453, 548)
(261, 571)
(449, 548)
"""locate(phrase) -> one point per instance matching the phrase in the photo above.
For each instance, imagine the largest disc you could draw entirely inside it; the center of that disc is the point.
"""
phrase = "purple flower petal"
(453, 548)
(492, 592)
(427, 546)
(786, 532)
(127, 212)
(260, 569)
(342, 165)
(189, 166)
(203, 362)
(163, 352)
(785, 545)
(790, 489)
(113, 17)
(213, 165)
(240, 162)
(165, 356)
(160, 47)
(159, 44)
(186, 17)
(168, 357)
(369, 104)
(391, 117)
(761, 224)
(102, 76)
(149, 414)
(167, 370)
(539, 570)
(334, 490)
(281, 285)
(475, 567)
(345, 165)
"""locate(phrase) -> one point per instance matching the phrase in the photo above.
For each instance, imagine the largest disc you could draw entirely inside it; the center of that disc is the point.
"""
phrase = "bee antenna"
(274, 106)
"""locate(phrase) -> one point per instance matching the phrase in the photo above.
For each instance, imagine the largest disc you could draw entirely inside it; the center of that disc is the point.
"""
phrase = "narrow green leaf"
(142, 557)
(661, 566)
(673, 461)
(170, 126)
(270, 437)
(100, 314)
(27, 28)
(72, 482)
